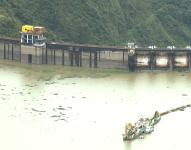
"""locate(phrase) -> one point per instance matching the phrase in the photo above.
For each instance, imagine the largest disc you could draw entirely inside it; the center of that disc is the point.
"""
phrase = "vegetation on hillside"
(102, 22)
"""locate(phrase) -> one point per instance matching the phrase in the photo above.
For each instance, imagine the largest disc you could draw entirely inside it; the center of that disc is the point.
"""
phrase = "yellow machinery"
(33, 30)
(156, 114)
(26, 28)
(39, 30)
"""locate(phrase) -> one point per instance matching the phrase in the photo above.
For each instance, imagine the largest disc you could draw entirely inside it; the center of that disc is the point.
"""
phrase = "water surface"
(60, 107)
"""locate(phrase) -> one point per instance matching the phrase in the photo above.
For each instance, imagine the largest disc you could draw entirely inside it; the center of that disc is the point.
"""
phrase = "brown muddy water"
(47, 107)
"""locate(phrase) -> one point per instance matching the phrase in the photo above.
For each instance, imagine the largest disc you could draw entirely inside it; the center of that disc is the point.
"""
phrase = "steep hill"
(102, 22)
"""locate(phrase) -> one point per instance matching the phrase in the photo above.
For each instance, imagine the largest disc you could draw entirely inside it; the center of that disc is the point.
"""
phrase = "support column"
(27, 38)
(151, 61)
(90, 59)
(63, 57)
(32, 38)
(20, 53)
(39, 50)
(77, 56)
(135, 61)
(21, 38)
(71, 55)
(131, 63)
(12, 52)
(99, 55)
(80, 56)
(42, 56)
(4, 51)
(46, 56)
(51, 55)
(123, 56)
(95, 58)
(36, 53)
(54, 57)
(152, 55)
(189, 61)
(8, 50)
(171, 61)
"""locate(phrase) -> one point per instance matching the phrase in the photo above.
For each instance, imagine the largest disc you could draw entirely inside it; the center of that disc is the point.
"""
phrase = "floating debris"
(63, 119)
(175, 109)
(38, 110)
(143, 125)
(60, 108)
(54, 116)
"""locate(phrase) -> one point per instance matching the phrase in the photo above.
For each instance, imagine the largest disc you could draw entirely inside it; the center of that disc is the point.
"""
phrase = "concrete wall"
(25, 51)
(38, 55)
(44, 55)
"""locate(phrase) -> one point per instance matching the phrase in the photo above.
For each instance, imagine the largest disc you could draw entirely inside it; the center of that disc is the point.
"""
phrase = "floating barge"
(143, 125)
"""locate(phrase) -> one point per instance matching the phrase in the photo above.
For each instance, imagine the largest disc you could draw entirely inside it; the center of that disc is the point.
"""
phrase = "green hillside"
(102, 22)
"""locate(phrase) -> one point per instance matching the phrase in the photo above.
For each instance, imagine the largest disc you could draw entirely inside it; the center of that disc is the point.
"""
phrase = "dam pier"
(93, 56)
(33, 48)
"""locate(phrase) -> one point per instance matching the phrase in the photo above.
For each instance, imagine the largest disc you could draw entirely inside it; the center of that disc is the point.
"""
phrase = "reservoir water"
(48, 107)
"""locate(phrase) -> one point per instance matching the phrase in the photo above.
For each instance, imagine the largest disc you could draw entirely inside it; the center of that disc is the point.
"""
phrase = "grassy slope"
(102, 22)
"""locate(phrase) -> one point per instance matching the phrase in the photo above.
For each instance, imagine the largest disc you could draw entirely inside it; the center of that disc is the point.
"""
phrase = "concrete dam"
(80, 55)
